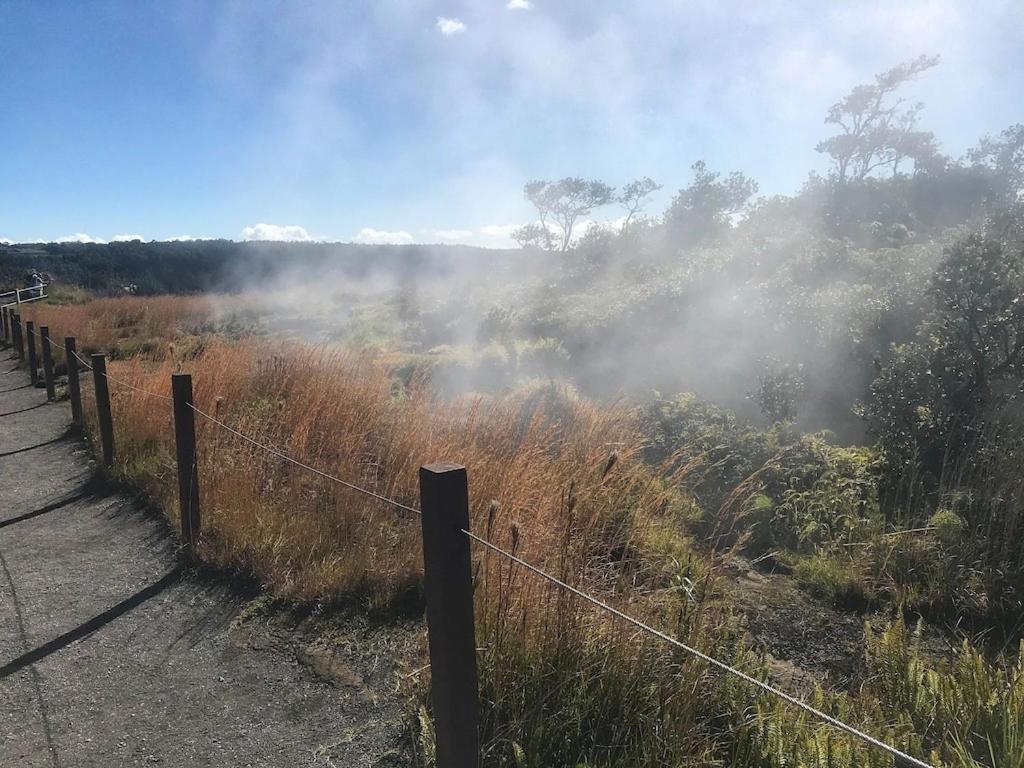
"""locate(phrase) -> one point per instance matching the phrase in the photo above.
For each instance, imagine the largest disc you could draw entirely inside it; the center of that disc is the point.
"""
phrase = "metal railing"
(24, 295)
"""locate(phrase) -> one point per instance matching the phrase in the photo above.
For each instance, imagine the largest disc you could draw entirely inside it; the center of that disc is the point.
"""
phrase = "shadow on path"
(23, 410)
(44, 710)
(15, 452)
(43, 510)
(93, 624)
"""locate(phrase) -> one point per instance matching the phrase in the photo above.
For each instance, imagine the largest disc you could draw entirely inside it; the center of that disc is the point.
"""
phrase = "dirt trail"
(112, 654)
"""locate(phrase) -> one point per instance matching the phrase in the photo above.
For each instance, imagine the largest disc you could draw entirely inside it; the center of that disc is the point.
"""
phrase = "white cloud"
(5, 241)
(183, 239)
(277, 232)
(79, 237)
(519, 5)
(371, 236)
(496, 236)
(450, 27)
(498, 230)
(126, 238)
(450, 235)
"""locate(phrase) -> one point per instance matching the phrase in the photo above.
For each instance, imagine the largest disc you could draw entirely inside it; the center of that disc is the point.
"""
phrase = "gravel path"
(112, 654)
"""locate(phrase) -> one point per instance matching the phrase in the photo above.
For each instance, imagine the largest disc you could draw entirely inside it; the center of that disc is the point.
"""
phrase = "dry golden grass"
(552, 477)
(157, 327)
(342, 414)
(106, 324)
(538, 460)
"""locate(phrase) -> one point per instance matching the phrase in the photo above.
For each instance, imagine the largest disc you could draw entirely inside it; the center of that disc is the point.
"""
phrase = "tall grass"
(557, 480)
(156, 327)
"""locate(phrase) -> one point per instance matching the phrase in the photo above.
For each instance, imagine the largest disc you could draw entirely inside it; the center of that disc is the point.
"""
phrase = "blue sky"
(395, 120)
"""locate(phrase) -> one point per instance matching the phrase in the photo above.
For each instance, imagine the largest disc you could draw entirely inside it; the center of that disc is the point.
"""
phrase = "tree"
(634, 196)
(937, 391)
(702, 210)
(780, 387)
(877, 127)
(979, 294)
(1004, 154)
(562, 202)
(542, 195)
(533, 236)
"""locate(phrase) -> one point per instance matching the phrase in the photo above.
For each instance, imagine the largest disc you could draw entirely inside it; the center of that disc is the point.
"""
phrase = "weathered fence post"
(33, 362)
(448, 582)
(6, 320)
(106, 421)
(74, 387)
(19, 338)
(44, 334)
(188, 466)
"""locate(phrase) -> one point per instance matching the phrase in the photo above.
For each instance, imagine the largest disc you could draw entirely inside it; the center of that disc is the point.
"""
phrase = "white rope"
(298, 463)
(123, 383)
(36, 332)
(140, 390)
(58, 344)
(83, 361)
(838, 724)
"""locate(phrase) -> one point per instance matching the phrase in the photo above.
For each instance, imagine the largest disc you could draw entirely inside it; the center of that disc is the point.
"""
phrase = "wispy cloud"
(449, 27)
(183, 239)
(530, 89)
(126, 238)
(286, 233)
(371, 236)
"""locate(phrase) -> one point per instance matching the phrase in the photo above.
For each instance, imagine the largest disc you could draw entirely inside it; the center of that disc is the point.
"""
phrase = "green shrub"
(837, 581)
(949, 527)
(542, 357)
(796, 492)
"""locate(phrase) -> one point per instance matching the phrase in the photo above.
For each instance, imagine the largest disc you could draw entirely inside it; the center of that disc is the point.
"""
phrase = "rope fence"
(285, 457)
(448, 581)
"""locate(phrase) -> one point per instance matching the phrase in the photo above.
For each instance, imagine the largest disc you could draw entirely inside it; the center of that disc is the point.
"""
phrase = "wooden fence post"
(19, 339)
(106, 421)
(6, 320)
(188, 466)
(33, 361)
(44, 334)
(448, 582)
(74, 387)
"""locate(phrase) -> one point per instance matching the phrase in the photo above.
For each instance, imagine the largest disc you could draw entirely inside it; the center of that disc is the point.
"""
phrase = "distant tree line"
(224, 265)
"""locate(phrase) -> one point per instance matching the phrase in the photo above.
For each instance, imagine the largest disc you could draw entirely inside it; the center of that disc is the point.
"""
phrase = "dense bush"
(797, 492)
